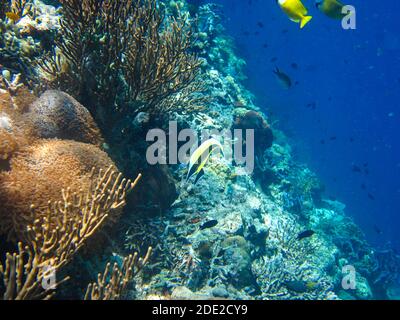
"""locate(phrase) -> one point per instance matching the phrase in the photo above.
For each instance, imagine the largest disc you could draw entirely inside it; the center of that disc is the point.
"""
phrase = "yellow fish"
(311, 285)
(13, 16)
(331, 8)
(296, 11)
(200, 157)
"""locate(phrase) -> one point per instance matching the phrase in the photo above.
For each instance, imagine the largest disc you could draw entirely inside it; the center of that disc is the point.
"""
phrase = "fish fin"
(199, 176)
(304, 21)
(192, 170)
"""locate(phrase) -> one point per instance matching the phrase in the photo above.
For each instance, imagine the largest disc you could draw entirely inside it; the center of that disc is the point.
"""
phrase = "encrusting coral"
(56, 237)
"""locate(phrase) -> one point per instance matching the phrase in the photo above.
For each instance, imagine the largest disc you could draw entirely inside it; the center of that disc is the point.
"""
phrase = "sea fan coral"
(37, 175)
(111, 52)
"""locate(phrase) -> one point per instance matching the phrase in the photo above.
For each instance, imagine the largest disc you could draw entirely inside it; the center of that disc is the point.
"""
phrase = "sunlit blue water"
(353, 77)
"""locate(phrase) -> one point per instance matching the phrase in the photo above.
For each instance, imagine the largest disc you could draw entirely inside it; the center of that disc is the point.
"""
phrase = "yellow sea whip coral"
(56, 237)
(112, 283)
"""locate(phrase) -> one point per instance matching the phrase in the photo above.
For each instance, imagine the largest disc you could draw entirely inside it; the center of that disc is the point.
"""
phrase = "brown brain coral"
(58, 115)
(37, 175)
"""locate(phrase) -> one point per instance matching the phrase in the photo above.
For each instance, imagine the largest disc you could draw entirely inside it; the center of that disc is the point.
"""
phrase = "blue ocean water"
(343, 114)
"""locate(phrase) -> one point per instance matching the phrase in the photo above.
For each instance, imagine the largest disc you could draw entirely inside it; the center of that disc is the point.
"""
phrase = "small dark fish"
(260, 24)
(305, 234)
(322, 141)
(356, 169)
(285, 31)
(371, 196)
(363, 186)
(274, 59)
(283, 78)
(312, 105)
(366, 171)
(265, 45)
(351, 140)
(294, 65)
(377, 230)
(209, 224)
(334, 138)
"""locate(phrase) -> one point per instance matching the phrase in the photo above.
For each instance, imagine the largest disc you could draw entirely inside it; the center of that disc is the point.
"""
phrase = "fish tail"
(304, 21)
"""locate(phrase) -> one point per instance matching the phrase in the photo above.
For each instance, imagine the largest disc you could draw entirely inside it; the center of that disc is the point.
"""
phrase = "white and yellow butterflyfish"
(200, 157)
(296, 11)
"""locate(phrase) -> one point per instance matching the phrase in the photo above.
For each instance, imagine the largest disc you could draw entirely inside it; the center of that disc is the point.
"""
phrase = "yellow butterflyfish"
(200, 157)
(331, 8)
(296, 11)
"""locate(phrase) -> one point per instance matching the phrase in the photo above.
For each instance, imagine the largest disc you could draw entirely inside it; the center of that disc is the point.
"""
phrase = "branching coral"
(189, 100)
(112, 284)
(56, 237)
(23, 39)
(288, 262)
(22, 7)
(121, 54)
(17, 53)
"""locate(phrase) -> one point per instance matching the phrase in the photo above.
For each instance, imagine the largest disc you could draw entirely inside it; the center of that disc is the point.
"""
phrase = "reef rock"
(157, 190)
(263, 136)
(238, 261)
